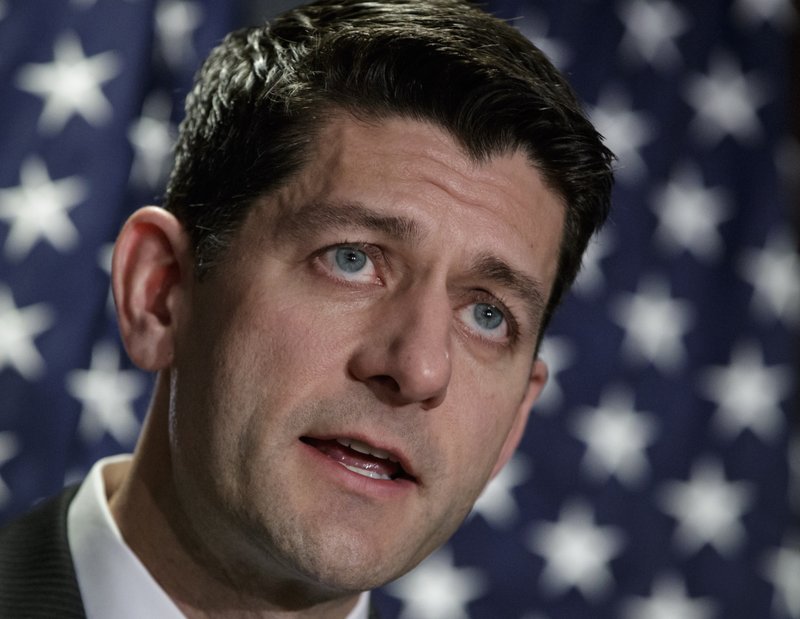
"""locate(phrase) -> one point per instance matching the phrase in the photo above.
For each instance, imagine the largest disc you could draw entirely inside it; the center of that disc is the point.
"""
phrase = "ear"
(536, 383)
(150, 269)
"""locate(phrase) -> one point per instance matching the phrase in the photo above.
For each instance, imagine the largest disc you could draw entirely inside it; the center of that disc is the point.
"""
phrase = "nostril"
(387, 382)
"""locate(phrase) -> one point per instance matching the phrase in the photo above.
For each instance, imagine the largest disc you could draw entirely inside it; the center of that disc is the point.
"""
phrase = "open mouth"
(361, 458)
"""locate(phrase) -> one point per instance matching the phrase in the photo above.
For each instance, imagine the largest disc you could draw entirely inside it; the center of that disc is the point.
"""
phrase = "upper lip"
(395, 452)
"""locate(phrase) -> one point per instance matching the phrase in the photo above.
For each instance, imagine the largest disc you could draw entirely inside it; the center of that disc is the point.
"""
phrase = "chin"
(348, 563)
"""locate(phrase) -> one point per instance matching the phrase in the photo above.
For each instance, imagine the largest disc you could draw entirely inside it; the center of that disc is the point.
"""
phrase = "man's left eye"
(486, 319)
(350, 263)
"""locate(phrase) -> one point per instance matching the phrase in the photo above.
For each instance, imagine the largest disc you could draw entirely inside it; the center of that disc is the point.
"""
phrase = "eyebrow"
(316, 216)
(527, 288)
(322, 215)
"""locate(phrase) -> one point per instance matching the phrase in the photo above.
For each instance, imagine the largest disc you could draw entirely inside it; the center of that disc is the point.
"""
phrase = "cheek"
(482, 420)
(213, 378)
(250, 366)
(289, 351)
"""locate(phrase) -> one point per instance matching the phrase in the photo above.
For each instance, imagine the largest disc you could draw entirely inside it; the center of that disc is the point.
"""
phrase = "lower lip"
(359, 484)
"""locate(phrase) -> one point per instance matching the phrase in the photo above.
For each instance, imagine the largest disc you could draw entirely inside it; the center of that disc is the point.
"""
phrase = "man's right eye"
(350, 263)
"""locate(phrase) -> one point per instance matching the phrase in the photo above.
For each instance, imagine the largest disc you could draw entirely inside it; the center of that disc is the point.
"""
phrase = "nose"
(406, 358)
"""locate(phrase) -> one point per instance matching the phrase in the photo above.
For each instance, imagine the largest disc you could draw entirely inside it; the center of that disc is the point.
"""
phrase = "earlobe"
(148, 275)
(536, 383)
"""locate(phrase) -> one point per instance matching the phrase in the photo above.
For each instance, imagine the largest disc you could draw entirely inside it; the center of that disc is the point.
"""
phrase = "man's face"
(349, 378)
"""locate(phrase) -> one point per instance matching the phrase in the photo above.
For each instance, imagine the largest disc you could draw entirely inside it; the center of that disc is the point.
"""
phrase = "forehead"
(400, 152)
(415, 172)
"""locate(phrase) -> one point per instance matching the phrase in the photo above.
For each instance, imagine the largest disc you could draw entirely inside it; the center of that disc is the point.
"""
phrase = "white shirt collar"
(112, 580)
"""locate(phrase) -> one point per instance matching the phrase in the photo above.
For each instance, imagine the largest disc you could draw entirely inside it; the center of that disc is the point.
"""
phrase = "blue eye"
(350, 264)
(487, 316)
(349, 259)
(486, 320)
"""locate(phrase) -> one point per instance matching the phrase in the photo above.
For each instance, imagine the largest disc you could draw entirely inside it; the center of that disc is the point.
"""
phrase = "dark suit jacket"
(37, 578)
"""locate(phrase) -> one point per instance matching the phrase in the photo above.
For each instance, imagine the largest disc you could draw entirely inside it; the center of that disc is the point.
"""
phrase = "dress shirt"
(112, 580)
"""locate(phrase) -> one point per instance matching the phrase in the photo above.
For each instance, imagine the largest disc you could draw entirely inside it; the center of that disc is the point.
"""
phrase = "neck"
(145, 506)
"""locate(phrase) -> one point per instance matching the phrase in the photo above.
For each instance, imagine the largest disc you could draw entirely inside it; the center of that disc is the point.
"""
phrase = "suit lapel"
(37, 578)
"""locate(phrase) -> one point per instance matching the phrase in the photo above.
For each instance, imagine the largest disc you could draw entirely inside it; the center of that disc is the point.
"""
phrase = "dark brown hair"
(263, 94)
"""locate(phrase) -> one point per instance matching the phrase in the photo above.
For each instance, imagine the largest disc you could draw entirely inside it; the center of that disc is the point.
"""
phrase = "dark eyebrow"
(528, 289)
(316, 216)
(322, 215)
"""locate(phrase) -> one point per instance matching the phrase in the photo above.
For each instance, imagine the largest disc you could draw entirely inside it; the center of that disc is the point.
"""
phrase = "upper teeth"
(366, 449)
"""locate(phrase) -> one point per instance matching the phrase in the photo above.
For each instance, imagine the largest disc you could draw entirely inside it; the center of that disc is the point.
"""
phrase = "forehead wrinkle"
(319, 215)
(529, 289)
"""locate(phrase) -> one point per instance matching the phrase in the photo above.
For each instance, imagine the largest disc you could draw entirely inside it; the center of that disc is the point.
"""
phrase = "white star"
(689, 214)
(497, 504)
(725, 102)
(780, 13)
(534, 26)
(747, 393)
(9, 447)
(176, 20)
(654, 324)
(70, 84)
(37, 208)
(107, 394)
(152, 137)
(782, 569)
(590, 278)
(625, 132)
(436, 589)
(576, 552)
(708, 508)
(559, 354)
(651, 27)
(774, 274)
(669, 601)
(616, 436)
(18, 328)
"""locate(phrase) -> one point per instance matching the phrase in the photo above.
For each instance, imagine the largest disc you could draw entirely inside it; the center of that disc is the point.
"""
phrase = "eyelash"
(379, 259)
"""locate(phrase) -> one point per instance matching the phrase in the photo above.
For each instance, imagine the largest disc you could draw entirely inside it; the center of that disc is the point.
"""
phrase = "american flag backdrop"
(660, 474)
